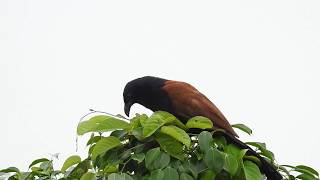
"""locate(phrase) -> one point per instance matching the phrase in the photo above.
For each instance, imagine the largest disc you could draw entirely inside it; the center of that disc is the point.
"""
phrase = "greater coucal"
(184, 101)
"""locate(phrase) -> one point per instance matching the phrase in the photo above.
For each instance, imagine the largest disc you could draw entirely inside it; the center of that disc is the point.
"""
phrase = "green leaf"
(140, 148)
(185, 176)
(104, 145)
(157, 175)
(119, 134)
(179, 124)
(36, 169)
(155, 159)
(233, 150)
(91, 149)
(251, 171)
(263, 150)
(291, 177)
(115, 176)
(283, 169)
(10, 169)
(172, 173)
(208, 175)
(231, 164)
(126, 154)
(191, 167)
(151, 156)
(171, 146)
(168, 118)
(47, 166)
(164, 116)
(157, 120)
(186, 167)
(220, 141)
(177, 165)
(303, 170)
(111, 169)
(38, 161)
(242, 153)
(142, 120)
(205, 141)
(14, 177)
(199, 122)
(162, 161)
(243, 128)
(306, 177)
(177, 133)
(110, 158)
(138, 157)
(253, 159)
(258, 145)
(138, 133)
(311, 170)
(88, 176)
(136, 121)
(214, 159)
(101, 123)
(151, 126)
(70, 161)
(80, 169)
(93, 139)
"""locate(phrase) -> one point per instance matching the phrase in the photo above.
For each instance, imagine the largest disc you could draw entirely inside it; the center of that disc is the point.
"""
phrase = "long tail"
(267, 168)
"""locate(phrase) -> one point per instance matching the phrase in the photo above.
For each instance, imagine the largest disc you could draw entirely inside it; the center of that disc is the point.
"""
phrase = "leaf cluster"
(159, 147)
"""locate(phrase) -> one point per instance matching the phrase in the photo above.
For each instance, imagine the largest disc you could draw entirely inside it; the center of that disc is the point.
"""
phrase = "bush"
(159, 147)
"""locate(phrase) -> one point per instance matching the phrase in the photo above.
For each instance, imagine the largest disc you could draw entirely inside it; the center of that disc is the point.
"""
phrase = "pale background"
(257, 60)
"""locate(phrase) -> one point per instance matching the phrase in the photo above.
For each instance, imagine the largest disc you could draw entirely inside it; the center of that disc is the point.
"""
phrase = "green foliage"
(171, 146)
(38, 161)
(101, 123)
(263, 150)
(104, 145)
(243, 128)
(158, 147)
(200, 123)
(72, 160)
(88, 176)
(251, 171)
(177, 134)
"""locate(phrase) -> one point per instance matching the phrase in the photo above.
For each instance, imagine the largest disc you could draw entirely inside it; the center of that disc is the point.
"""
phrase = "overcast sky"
(258, 61)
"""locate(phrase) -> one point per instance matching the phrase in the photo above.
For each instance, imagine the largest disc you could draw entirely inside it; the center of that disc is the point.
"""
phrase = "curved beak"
(127, 107)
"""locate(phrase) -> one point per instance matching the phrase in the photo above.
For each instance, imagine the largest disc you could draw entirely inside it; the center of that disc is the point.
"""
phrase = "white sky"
(258, 61)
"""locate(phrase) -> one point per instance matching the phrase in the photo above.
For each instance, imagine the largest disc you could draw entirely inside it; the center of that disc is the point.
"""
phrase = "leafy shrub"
(159, 147)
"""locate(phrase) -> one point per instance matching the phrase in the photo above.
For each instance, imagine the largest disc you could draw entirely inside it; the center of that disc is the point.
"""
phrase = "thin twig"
(115, 116)
(124, 164)
(132, 148)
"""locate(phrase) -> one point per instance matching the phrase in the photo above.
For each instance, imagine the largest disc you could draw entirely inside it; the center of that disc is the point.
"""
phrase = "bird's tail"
(266, 167)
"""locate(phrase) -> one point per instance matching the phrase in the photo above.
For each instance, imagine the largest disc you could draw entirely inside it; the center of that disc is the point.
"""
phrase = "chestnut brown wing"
(188, 102)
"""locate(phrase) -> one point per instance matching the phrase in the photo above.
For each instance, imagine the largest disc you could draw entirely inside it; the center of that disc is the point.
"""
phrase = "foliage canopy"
(159, 147)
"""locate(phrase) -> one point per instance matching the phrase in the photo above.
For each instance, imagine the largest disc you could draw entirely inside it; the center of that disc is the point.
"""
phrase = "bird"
(178, 98)
(184, 101)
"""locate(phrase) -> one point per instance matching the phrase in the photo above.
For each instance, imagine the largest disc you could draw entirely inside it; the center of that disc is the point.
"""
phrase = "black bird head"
(146, 91)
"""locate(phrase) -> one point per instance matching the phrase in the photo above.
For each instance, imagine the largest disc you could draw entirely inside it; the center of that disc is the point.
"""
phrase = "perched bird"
(178, 98)
(184, 101)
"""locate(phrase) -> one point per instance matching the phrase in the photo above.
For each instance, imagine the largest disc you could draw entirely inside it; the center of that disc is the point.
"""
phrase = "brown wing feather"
(188, 102)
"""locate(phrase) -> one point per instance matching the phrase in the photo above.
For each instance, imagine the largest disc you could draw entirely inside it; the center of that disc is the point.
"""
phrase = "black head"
(146, 91)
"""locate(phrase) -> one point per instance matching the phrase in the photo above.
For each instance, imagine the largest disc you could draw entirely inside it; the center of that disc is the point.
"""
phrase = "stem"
(203, 170)
(124, 164)
(95, 111)
(191, 134)
(132, 148)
